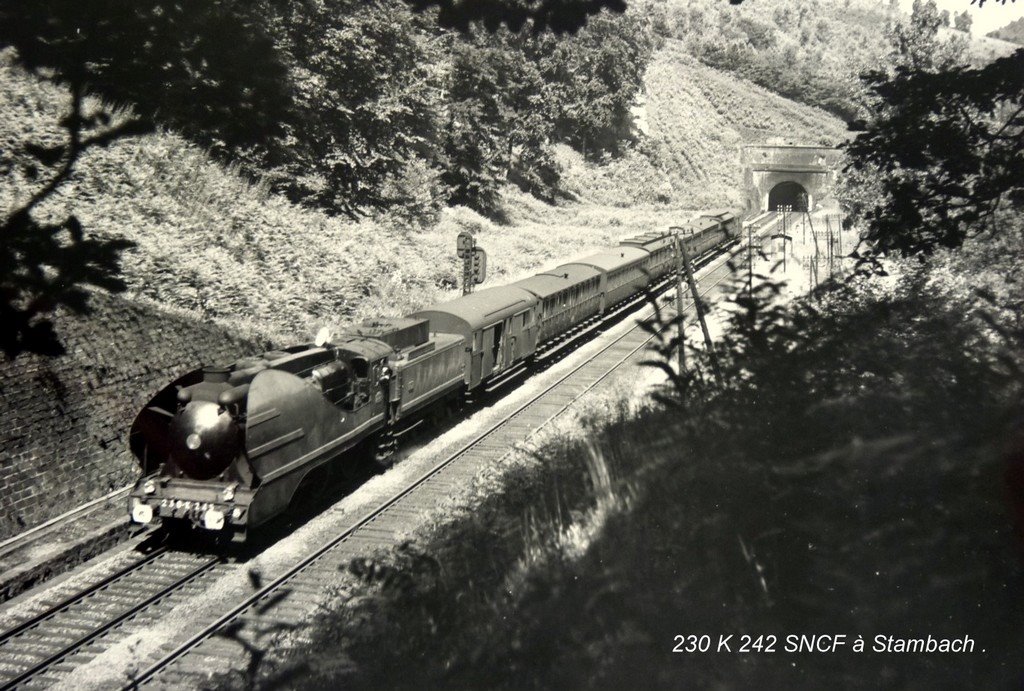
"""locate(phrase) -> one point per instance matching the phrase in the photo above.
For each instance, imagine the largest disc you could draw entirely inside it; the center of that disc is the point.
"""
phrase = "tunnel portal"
(788, 175)
(788, 196)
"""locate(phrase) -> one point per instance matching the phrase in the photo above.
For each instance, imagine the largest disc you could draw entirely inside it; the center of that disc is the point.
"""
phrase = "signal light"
(479, 266)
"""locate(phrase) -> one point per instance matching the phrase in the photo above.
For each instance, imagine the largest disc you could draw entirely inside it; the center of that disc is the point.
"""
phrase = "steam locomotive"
(224, 448)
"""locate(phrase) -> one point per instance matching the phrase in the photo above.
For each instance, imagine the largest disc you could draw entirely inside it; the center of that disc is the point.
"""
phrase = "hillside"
(213, 246)
(1012, 32)
(982, 50)
(696, 119)
(808, 51)
(211, 242)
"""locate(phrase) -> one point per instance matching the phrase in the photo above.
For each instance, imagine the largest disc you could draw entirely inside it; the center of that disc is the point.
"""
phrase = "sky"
(988, 18)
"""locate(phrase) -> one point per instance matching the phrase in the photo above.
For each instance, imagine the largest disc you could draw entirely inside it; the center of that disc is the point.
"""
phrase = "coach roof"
(558, 279)
(478, 310)
(613, 259)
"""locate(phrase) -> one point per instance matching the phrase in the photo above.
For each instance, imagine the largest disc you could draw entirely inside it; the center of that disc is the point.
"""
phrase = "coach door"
(524, 338)
(493, 349)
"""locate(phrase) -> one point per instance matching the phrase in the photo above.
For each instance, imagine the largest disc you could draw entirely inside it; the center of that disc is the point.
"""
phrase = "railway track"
(43, 648)
(188, 663)
(46, 648)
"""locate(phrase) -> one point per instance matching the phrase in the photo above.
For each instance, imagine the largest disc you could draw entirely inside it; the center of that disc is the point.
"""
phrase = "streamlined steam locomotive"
(225, 447)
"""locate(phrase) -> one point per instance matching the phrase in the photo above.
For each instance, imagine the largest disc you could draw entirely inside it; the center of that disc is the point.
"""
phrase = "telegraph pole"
(816, 250)
(700, 314)
(677, 246)
(750, 259)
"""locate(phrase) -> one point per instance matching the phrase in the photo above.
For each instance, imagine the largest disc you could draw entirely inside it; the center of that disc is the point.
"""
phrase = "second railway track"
(188, 663)
(45, 648)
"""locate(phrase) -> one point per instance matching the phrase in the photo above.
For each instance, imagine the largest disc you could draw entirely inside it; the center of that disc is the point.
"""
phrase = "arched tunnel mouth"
(788, 195)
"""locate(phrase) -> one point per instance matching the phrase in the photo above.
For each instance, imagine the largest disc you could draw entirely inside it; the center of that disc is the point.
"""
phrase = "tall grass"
(217, 243)
(857, 474)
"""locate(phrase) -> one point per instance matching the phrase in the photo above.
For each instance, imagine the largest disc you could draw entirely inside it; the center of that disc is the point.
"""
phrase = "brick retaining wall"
(64, 421)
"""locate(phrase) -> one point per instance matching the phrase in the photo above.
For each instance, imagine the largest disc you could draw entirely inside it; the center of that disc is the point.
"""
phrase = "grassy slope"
(224, 248)
(1012, 32)
(697, 119)
(862, 476)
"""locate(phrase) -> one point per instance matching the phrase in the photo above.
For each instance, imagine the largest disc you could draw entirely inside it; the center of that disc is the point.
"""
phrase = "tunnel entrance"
(788, 194)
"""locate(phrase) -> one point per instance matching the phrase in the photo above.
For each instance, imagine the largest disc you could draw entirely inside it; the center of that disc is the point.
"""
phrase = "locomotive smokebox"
(204, 439)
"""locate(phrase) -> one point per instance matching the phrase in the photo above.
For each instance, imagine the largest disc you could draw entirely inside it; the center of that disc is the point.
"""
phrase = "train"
(224, 448)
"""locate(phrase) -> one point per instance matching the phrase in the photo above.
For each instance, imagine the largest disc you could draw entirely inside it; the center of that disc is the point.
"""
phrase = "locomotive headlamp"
(193, 441)
(149, 487)
(213, 519)
(142, 513)
(228, 494)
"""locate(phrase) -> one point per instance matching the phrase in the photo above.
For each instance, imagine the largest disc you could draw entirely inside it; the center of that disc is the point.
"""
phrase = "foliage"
(213, 61)
(852, 466)
(963, 22)
(596, 76)
(498, 104)
(916, 44)
(1013, 32)
(415, 196)
(381, 88)
(339, 104)
(364, 103)
(512, 95)
(948, 150)
(205, 67)
(559, 16)
(810, 52)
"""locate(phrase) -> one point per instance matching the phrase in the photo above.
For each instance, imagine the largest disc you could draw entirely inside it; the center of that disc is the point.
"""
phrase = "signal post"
(474, 261)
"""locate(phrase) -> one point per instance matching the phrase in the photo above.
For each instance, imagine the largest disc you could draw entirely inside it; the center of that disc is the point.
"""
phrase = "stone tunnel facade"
(801, 177)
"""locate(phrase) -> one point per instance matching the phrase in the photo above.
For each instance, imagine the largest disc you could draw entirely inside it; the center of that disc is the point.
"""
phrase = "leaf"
(47, 155)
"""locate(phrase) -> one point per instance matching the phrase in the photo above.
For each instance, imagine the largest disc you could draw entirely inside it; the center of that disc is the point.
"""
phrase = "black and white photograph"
(511, 344)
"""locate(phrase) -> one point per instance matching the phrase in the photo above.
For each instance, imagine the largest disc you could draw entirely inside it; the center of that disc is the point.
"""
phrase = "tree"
(211, 59)
(511, 94)
(963, 22)
(365, 101)
(558, 16)
(499, 118)
(916, 44)
(596, 76)
(946, 151)
(330, 98)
